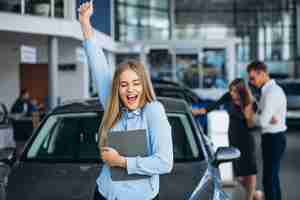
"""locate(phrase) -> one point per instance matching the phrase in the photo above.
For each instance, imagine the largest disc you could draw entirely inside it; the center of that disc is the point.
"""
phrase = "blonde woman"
(129, 104)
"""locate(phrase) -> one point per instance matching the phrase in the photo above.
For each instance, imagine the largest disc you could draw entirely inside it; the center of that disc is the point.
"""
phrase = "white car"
(291, 88)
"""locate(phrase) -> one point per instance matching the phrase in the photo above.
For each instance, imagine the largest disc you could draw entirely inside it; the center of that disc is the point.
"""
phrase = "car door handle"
(85, 168)
(61, 172)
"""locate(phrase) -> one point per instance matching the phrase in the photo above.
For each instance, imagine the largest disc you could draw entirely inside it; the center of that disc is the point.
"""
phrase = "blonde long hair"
(113, 112)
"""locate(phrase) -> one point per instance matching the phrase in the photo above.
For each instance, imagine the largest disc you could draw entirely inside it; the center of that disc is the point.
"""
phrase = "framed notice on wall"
(28, 54)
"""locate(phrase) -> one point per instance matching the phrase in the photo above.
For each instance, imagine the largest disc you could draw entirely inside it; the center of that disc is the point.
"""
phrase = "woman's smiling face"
(130, 89)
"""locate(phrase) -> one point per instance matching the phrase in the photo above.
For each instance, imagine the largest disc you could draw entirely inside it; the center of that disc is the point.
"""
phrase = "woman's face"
(234, 94)
(130, 89)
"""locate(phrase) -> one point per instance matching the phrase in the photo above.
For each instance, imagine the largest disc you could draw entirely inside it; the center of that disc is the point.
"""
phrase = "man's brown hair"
(257, 66)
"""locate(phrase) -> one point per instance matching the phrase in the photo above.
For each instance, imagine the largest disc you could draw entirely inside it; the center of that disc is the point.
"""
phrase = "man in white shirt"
(271, 117)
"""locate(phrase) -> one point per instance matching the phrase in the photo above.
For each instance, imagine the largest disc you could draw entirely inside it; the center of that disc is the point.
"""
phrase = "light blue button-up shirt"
(151, 117)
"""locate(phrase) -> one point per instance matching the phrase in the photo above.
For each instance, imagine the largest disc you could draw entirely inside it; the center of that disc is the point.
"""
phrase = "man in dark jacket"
(22, 105)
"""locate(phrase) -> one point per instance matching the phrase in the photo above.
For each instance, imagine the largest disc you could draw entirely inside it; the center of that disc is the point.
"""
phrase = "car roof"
(93, 105)
(168, 86)
(165, 82)
(287, 81)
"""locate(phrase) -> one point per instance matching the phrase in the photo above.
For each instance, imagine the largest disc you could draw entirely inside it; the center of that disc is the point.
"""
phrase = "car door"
(35, 181)
(189, 161)
(62, 162)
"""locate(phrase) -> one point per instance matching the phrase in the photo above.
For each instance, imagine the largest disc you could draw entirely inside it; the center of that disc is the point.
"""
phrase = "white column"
(53, 71)
(82, 62)
(22, 7)
(52, 8)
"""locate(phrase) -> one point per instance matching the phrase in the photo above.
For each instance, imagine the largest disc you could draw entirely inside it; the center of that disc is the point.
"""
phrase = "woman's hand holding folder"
(112, 157)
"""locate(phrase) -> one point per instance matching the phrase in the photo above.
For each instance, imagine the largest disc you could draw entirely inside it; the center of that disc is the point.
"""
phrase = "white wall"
(72, 84)
(9, 76)
(49, 26)
(10, 61)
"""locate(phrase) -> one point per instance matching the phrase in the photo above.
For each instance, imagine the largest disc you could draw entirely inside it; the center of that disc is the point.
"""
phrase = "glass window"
(187, 69)
(67, 137)
(248, 19)
(132, 17)
(143, 16)
(159, 34)
(159, 19)
(59, 8)
(74, 137)
(10, 6)
(164, 4)
(132, 33)
(124, 57)
(147, 20)
(160, 61)
(185, 146)
(214, 69)
(121, 13)
(41, 8)
(138, 2)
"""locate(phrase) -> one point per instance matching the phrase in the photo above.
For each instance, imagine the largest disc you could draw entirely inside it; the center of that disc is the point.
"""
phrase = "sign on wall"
(28, 54)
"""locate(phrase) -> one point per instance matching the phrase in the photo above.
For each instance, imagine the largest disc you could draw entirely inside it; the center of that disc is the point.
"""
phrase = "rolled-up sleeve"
(159, 129)
(100, 69)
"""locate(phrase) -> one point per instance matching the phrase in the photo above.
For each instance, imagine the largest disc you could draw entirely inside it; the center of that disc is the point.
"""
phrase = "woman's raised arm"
(101, 71)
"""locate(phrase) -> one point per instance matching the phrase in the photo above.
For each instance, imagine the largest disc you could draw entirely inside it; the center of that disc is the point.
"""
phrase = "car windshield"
(74, 137)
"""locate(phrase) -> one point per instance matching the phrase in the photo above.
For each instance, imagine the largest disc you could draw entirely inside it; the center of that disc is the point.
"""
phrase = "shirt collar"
(267, 85)
(131, 114)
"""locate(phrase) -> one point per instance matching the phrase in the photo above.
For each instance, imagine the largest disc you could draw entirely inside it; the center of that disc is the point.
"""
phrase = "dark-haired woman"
(237, 101)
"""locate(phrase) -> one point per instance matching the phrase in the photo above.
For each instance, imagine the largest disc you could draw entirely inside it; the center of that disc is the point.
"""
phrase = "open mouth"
(131, 98)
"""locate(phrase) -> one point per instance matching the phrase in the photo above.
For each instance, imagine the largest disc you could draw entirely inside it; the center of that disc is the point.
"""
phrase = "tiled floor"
(289, 174)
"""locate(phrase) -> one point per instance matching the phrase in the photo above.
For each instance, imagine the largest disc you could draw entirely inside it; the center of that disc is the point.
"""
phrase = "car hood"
(48, 181)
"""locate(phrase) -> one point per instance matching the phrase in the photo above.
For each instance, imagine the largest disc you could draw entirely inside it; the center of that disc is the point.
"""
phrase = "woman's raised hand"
(85, 12)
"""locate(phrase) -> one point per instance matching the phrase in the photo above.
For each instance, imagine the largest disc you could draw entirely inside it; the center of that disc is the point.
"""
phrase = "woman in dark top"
(236, 101)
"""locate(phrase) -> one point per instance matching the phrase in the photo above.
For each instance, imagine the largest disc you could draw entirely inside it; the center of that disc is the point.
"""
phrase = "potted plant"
(41, 7)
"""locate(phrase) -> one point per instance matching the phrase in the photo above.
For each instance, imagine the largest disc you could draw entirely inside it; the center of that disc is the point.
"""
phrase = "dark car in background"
(61, 160)
(175, 90)
(291, 88)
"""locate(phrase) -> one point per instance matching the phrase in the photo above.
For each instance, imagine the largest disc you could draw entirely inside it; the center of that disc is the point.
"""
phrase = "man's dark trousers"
(273, 147)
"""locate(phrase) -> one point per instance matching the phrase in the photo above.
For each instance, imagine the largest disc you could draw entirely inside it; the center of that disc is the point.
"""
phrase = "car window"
(74, 137)
(67, 137)
(185, 146)
(291, 88)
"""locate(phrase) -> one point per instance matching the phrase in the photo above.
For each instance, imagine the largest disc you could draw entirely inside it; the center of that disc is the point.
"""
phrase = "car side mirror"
(226, 154)
(8, 156)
